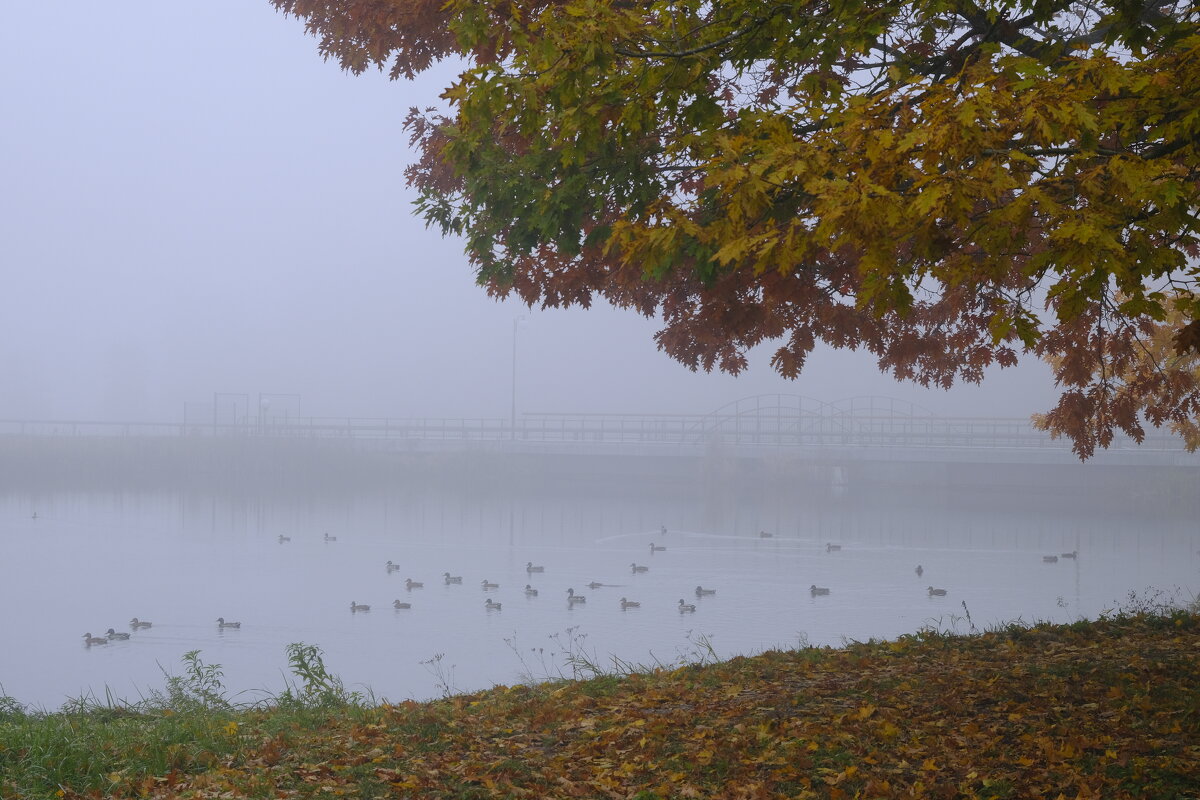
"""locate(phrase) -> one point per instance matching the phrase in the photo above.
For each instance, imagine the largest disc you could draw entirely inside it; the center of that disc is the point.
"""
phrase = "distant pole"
(512, 420)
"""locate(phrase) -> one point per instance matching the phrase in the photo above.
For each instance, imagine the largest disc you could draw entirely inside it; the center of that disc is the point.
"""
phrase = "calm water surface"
(91, 562)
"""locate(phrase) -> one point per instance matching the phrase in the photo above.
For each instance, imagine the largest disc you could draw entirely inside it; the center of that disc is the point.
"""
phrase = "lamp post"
(512, 422)
(264, 407)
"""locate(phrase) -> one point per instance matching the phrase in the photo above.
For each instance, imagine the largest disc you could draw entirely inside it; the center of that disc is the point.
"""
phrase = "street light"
(264, 407)
(512, 423)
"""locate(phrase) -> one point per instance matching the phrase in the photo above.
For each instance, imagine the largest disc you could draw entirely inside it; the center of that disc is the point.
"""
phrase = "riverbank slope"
(1108, 708)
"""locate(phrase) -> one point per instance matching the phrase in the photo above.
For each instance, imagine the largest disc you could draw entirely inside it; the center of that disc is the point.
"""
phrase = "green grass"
(109, 746)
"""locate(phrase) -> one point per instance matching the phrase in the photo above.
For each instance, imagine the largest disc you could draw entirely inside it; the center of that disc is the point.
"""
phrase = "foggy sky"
(192, 201)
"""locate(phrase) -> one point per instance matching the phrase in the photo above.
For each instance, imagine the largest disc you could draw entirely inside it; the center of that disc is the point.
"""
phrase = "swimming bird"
(920, 570)
(410, 584)
(34, 515)
(936, 592)
(765, 535)
(815, 590)
(114, 635)
(1050, 559)
(488, 586)
(629, 604)
(685, 608)
(530, 591)
(221, 623)
(1071, 554)
(136, 623)
(90, 640)
(831, 547)
(283, 538)
(355, 607)
(595, 585)
(573, 598)
(392, 567)
(662, 529)
(637, 568)
(329, 538)
(491, 605)
(398, 604)
(451, 578)
(529, 567)
(657, 548)
(701, 591)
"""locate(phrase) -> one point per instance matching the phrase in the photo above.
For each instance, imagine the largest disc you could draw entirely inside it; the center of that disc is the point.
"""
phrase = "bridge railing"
(785, 428)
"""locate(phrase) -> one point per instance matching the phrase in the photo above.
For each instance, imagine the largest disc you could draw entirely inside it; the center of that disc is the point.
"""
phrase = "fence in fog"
(770, 422)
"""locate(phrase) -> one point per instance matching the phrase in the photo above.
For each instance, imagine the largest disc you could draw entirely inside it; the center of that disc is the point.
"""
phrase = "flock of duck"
(573, 599)
(136, 625)
(490, 604)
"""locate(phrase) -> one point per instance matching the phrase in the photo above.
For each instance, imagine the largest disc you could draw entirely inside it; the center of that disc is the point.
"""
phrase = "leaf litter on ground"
(1094, 709)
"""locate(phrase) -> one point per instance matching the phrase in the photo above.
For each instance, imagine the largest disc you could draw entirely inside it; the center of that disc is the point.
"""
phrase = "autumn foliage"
(949, 184)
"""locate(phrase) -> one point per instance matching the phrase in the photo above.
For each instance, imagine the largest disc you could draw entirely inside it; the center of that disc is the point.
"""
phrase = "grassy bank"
(1108, 709)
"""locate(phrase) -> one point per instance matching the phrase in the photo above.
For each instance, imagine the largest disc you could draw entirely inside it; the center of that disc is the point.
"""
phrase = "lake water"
(89, 562)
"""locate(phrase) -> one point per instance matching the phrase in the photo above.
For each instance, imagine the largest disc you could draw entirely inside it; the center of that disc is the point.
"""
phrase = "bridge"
(859, 429)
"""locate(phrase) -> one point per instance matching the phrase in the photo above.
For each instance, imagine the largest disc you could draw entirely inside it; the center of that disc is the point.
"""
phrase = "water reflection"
(288, 569)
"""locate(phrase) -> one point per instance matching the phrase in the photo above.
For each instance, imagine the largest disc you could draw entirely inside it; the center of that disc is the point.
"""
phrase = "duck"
(685, 608)
(410, 584)
(629, 604)
(638, 568)
(491, 605)
(657, 548)
(1071, 554)
(392, 567)
(529, 567)
(488, 586)
(1050, 559)
(595, 585)
(398, 604)
(136, 623)
(936, 592)
(329, 538)
(114, 635)
(766, 535)
(920, 570)
(530, 591)
(451, 578)
(283, 538)
(830, 547)
(221, 623)
(356, 607)
(573, 598)
(815, 590)
(90, 640)
(702, 592)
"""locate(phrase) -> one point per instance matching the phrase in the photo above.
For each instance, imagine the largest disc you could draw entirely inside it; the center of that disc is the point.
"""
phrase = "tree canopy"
(949, 184)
